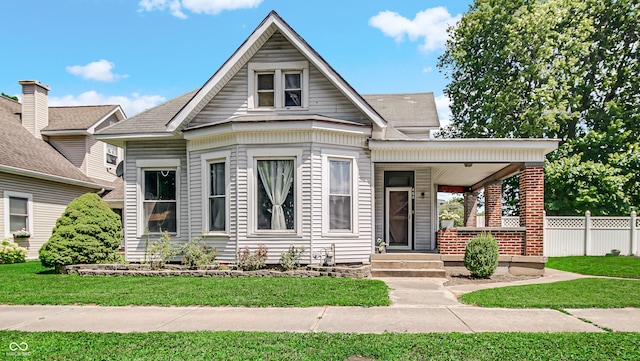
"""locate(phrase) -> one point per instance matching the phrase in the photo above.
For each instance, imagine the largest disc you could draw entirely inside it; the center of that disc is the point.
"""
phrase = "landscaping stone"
(173, 270)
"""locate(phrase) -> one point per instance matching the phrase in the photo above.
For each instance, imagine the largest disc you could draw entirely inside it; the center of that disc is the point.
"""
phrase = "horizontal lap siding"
(73, 147)
(149, 150)
(352, 248)
(96, 157)
(225, 246)
(50, 199)
(324, 98)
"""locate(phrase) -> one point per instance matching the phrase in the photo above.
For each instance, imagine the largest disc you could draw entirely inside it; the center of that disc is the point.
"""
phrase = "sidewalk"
(419, 305)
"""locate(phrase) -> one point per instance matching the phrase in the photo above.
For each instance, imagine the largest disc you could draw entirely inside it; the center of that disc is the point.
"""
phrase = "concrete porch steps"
(407, 265)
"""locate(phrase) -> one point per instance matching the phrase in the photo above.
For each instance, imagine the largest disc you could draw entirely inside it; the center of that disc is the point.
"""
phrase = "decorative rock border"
(144, 270)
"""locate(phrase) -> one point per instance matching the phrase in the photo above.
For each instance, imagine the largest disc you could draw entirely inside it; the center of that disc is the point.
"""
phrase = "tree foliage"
(87, 232)
(456, 206)
(12, 97)
(566, 69)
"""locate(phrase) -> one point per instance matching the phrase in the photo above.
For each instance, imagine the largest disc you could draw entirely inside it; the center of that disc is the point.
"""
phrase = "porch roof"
(466, 163)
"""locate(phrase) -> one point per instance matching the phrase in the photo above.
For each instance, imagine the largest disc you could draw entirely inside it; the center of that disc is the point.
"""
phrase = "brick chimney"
(35, 106)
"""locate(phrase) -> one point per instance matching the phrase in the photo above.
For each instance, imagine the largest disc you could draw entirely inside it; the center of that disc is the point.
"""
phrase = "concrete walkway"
(419, 305)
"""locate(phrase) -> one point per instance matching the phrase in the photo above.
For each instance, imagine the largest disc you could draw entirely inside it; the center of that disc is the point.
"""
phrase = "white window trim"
(7, 218)
(279, 68)
(327, 155)
(155, 164)
(206, 159)
(253, 155)
(118, 154)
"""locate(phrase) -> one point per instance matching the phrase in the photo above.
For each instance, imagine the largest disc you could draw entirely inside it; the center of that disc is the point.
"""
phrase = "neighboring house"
(276, 148)
(49, 157)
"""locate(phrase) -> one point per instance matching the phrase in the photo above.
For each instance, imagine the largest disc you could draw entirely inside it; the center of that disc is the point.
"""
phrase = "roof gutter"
(53, 178)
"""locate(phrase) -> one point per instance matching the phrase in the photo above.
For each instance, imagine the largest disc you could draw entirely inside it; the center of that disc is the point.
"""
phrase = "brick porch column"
(532, 207)
(493, 204)
(470, 209)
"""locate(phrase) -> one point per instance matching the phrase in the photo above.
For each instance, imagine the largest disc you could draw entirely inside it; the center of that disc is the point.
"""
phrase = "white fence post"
(634, 235)
(587, 233)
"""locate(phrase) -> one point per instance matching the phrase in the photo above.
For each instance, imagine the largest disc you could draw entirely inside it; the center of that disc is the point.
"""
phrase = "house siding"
(74, 148)
(135, 237)
(50, 199)
(422, 220)
(96, 166)
(350, 248)
(324, 98)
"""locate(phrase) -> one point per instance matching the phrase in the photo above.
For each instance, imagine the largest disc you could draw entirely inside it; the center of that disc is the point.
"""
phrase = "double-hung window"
(278, 85)
(18, 212)
(215, 196)
(111, 155)
(274, 183)
(160, 200)
(339, 177)
(340, 194)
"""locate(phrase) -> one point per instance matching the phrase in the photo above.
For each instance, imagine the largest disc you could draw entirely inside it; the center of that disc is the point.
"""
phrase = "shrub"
(291, 259)
(160, 251)
(481, 256)
(10, 252)
(251, 261)
(197, 253)
(87, 232)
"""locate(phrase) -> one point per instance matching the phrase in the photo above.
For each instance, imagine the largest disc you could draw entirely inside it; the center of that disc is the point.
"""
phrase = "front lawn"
(625, 267)
(324, 346)
(580, 293)
(30, 283)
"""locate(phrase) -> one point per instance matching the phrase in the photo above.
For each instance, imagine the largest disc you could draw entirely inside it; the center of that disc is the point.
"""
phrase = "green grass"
(324, 346)
(580, 293)
(625, 267)
(30, 283)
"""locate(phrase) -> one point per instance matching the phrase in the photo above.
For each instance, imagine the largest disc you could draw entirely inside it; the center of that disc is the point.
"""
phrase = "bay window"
(217, 197)
(340, 192)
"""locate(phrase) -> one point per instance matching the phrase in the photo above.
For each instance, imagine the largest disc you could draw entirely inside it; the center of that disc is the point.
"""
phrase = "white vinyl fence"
(587, 235)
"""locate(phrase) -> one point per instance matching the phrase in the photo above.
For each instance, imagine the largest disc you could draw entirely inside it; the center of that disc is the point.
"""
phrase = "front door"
(399, 214)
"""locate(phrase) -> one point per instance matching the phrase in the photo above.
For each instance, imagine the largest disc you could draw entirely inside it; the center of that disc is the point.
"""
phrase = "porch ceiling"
(468, 176)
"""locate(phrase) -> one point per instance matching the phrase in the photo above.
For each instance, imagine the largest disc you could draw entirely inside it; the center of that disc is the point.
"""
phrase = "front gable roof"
(80, 118)
(272, 23)
(23, 154)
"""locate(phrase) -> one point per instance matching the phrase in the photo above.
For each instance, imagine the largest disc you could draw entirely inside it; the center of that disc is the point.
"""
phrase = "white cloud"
(427, 69)
(131, 105)
(430, 24)
(210, 7)
(101, 70)
(443, 105)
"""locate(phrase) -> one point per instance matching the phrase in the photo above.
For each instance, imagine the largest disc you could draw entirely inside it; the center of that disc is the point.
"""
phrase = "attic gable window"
(278, 85)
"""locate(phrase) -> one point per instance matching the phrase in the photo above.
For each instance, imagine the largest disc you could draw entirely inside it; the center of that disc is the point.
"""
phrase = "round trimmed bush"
(481, 256)
(87, 232)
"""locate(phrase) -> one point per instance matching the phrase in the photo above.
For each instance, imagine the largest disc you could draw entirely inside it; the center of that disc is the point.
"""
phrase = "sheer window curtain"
(277, 178)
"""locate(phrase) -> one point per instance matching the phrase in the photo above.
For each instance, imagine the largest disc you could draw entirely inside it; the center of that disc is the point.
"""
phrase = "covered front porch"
(408, 174)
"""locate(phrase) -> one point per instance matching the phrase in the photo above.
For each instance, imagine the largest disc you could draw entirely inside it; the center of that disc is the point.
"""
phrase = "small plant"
(290, 259)
(446, 215)
(22, 233)
(615, 252)
(251, 261)
(10, 252)
(481, 256)
(197, 253)
(161, 251)
(381, 246)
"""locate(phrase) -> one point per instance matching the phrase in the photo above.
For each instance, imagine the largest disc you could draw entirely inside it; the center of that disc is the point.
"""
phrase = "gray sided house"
(276, 148)
(49, 157)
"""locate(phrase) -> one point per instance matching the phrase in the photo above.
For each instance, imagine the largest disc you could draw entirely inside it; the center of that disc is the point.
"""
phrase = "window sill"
(340, 235)
(275, 235)
(273, 109)
(216, 235)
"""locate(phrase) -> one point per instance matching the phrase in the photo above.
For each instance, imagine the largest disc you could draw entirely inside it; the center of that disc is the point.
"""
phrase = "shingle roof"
(406, 110)
(20, 149)
(399, 110)
(152, 120)
(77, 117)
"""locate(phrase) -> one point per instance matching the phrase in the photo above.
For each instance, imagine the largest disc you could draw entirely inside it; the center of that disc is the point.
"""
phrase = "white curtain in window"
(277, 178)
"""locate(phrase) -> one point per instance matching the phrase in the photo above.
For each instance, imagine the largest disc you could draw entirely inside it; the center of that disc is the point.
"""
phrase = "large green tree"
(566, 69)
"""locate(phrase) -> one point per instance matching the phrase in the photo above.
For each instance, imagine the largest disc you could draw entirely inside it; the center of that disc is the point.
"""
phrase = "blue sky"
(140, 53)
